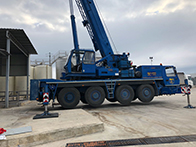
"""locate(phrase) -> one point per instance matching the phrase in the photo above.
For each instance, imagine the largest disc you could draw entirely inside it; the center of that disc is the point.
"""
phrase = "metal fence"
(15, 97)
(51, 60)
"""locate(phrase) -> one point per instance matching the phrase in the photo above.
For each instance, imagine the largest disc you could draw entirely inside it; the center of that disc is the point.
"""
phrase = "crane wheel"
(95, 96)
(124, 94)
(69, 97)
(145, 93)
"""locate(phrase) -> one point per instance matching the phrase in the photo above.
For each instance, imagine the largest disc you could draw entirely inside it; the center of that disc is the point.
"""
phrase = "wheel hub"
(125, 94)
(69, 97)
(146, 92)
(95, 96)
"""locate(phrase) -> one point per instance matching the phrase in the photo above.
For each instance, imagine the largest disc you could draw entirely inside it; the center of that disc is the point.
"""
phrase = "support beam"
(17, 44)
(3, 52)
(7, 71)
(28, 75)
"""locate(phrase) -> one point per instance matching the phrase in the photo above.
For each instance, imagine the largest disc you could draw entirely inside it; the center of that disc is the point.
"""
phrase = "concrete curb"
(54, 135)
(70, 123)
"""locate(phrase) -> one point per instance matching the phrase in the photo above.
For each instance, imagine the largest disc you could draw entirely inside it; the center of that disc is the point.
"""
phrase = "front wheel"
(124, 94)
(145, 93)
(69, 97)
(95, 96)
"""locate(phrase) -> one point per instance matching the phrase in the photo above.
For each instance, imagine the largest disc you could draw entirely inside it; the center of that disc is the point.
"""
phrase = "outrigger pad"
(45, 115)
(189, 107)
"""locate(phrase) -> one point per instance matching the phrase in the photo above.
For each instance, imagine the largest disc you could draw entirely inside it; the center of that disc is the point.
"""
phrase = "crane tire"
(145, 93)
(69, 97)
(124, 94)
(95, 96)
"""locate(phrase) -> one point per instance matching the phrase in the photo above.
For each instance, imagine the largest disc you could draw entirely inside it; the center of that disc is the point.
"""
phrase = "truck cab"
(166, 74)
(189, 78)
(170, 76)
(80, 63)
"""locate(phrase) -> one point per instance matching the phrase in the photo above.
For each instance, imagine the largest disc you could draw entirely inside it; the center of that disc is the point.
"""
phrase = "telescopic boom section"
(92, 22)
(73, 23)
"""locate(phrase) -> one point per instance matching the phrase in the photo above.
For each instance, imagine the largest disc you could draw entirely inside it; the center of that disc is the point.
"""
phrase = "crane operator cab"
(81, 63)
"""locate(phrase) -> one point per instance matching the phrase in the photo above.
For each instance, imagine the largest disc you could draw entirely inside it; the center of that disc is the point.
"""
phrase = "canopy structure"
(15, 49)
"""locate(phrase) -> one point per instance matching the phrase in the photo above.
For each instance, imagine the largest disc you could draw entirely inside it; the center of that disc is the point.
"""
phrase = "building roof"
(20, 43)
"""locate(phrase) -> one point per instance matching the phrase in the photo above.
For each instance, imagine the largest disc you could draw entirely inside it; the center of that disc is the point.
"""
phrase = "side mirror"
(186, 82)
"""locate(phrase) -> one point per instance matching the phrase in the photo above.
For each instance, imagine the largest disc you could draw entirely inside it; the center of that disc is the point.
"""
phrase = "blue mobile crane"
(112, 77)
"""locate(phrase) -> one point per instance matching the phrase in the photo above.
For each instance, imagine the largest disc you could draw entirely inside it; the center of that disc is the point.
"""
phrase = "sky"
(162, 29)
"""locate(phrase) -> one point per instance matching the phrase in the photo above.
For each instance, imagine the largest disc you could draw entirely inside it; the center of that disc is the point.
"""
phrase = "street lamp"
(151, 58)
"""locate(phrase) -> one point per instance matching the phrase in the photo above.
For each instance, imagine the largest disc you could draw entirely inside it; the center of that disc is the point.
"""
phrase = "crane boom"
(74, 30)
(92, 22)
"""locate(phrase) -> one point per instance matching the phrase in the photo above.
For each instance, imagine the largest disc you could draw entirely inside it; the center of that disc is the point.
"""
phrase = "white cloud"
(36, 13)
(165, 6)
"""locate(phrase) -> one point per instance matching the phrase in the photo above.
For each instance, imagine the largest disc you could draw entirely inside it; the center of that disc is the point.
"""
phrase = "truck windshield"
(89, 58)
(79, 55)
(170, 72)
(189, 78)
(74, 59)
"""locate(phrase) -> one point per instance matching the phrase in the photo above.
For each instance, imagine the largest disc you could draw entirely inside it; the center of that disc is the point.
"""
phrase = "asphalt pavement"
(164, 116)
